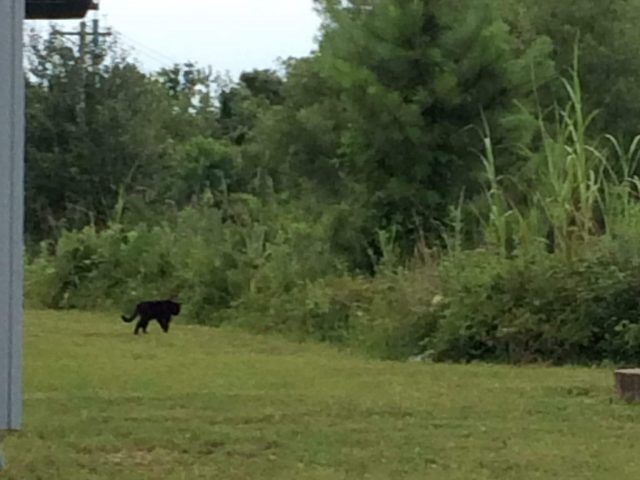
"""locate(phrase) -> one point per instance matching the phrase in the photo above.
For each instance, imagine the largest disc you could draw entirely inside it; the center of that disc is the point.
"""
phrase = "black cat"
(160, 310)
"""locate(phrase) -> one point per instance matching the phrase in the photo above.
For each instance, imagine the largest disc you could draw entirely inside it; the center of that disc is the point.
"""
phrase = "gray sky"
(228, 35)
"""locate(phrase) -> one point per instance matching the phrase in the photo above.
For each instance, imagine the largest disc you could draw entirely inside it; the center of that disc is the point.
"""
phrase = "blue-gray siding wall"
(11, 211)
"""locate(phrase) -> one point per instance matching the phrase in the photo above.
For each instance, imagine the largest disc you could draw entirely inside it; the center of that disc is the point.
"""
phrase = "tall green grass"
(574, 187)
(556, 276)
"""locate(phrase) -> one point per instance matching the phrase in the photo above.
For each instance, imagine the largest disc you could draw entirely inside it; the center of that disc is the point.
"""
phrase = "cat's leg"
(164, 323)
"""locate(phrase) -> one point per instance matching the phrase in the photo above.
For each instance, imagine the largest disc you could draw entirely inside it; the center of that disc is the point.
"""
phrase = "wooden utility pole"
(82, 44)
(82, 58)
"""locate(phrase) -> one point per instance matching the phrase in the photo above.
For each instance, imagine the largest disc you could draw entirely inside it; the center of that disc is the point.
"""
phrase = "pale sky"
(228, 35)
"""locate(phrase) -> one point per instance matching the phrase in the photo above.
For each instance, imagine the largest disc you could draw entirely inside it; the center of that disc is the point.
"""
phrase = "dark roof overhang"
(58, 9)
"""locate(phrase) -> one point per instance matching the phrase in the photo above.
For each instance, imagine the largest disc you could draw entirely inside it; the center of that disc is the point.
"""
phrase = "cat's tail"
(132, 318)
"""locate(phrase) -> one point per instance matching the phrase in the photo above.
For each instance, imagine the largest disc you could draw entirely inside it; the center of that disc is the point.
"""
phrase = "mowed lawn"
(204, 403)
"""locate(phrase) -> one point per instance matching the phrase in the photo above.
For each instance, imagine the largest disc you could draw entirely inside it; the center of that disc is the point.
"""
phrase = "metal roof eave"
(58, 9)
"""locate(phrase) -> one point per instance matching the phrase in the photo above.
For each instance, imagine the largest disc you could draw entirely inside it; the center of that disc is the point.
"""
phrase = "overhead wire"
(149, 52)
(138, 48)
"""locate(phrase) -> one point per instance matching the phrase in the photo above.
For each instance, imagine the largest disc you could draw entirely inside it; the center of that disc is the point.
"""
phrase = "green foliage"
(208, 262)
(538, 309)
(94, 129)
(310, 203)
(515, 302)
(198, 165)
(90, 268)
(242, 103)
(386, 316)
(609, 65)
(565, 193)
(412, 77)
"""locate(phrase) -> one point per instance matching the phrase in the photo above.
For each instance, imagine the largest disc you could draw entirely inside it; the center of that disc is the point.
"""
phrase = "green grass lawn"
(202, 403)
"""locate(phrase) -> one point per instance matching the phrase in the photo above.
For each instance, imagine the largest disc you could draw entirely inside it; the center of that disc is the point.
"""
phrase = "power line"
(160, 61)
(83, 36)
(148, 51)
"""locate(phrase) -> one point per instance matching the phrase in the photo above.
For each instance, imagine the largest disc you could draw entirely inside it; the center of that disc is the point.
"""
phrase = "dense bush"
(556, 275)
(209, 263)
(387, 315)
(474, 305)
(538, 308)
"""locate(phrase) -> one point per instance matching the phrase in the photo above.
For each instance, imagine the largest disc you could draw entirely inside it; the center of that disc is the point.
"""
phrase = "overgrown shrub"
(90, 268)
(387, 315)
(206, 261)
(472, 305)
(539, 308)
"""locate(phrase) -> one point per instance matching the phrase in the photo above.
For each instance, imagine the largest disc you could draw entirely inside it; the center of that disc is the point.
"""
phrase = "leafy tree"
(607, 35)
(384, 113)
(96, 130)
(241, 103)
